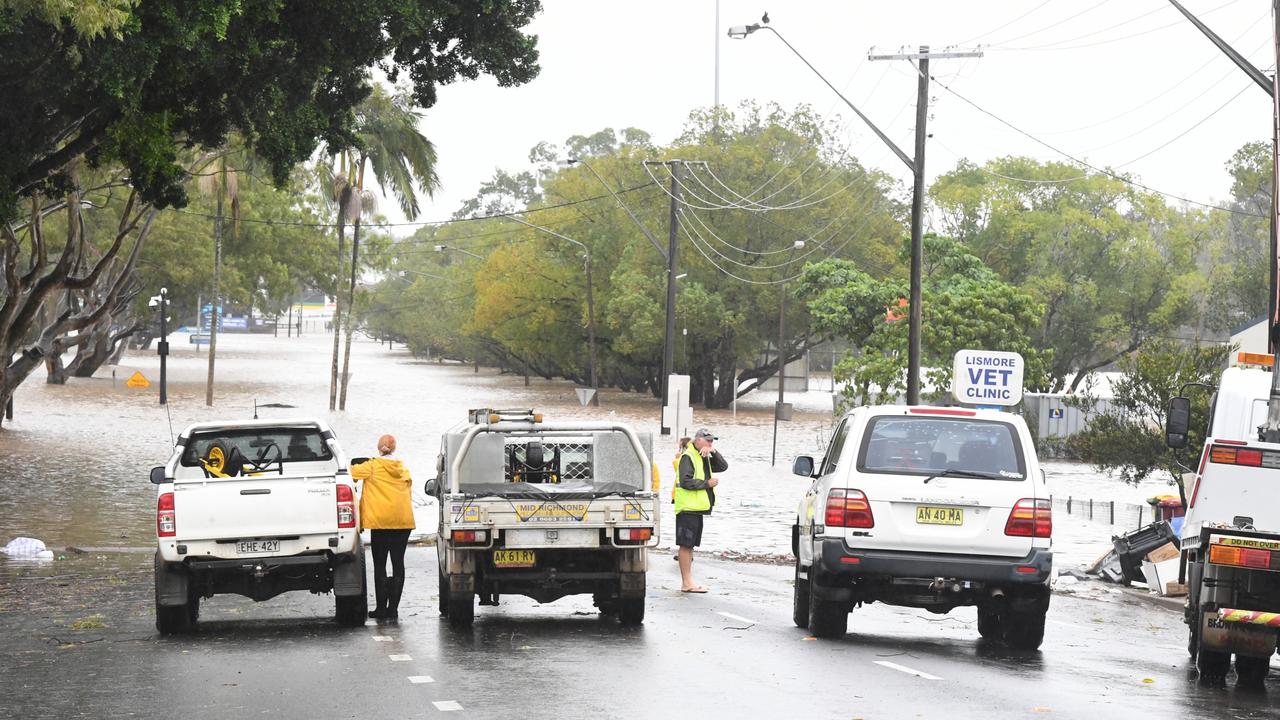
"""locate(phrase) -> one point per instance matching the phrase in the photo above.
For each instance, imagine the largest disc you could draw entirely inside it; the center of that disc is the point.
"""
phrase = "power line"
(1103, 171)
(1182, 134)
(1001, 27)
(1054, 24)
(291, 223)
(1055, 46)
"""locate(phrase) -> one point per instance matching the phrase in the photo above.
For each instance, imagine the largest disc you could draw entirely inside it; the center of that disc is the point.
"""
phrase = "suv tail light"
(346, 507)
(1030, 518)
(166, 520)
(849, 509)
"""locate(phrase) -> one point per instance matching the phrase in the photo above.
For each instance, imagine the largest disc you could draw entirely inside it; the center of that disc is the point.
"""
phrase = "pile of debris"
(1147, 555)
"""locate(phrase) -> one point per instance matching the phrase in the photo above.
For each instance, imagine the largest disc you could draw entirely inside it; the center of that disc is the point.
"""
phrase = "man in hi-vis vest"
(695, 497)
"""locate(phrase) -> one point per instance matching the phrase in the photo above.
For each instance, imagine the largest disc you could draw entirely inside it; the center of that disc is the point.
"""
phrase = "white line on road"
(419, 679)
(739, 618)
(446, 705)
(382, 638)
(399, 658)
(907, 670)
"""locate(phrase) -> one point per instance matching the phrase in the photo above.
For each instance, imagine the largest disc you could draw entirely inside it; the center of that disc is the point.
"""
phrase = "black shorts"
(689, 529)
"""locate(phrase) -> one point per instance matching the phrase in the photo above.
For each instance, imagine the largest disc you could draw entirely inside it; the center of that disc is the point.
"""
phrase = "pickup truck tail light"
(634, 536)
(166, 520)
(1030, 518)
(470, 537)
(346, 507)
(849, 509)
(1256, 558)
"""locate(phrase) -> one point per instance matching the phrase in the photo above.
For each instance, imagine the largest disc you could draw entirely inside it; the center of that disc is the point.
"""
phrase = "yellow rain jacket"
(385, 503)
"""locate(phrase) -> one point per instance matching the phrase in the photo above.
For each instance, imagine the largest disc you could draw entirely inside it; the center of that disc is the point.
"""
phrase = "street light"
(916, 166)
(591, 303)
(782, 356)
(162, 348)
(442, 248)
(423, 274)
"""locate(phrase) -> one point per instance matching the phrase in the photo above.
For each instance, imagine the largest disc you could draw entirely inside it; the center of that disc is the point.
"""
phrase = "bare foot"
(694, 589)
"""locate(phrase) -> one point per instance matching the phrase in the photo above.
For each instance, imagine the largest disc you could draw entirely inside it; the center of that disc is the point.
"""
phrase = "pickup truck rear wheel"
(631, 610)
(826, 619)
(462, 609)
(800, 600)
(1251, 672)
(173, 619)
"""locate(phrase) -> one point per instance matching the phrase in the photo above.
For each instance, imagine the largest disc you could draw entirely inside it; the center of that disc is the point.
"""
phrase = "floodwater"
(74, 462)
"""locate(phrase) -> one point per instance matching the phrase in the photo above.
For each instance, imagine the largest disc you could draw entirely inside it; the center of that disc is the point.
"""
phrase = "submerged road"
(733, 652)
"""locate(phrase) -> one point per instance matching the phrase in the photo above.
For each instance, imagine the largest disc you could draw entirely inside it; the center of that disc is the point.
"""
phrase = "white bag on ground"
(28, 548)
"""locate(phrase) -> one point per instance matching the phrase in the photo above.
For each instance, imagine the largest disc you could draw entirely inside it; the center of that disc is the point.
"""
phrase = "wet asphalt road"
(730, 653)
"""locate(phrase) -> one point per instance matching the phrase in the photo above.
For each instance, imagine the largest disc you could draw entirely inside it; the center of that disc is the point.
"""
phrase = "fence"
(1116, 514)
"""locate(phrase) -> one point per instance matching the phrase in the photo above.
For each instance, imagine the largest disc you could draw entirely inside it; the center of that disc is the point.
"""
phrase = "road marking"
(419, 679)
(446, 705)
(907, 670)
(399, 658)
(739, 618)
(383, 638)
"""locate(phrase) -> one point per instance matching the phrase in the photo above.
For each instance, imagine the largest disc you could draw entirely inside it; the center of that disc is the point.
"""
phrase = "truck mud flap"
(462, 583)
(1238, 637)
(631, 584)
(348, 576)
(171, 584)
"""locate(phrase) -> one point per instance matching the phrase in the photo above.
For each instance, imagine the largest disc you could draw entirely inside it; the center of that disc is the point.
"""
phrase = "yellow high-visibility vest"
(692, 500)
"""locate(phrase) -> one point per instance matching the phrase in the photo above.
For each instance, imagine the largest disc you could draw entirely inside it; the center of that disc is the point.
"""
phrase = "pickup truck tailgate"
(266, 506)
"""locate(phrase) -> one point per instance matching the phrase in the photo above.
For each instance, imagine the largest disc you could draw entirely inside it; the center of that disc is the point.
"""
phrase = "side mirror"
(432, 487)
(803, 466)
(1177, 422)
(157, 476)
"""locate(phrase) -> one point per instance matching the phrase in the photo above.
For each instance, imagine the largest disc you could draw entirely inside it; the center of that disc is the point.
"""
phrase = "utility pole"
(782, 359)
(1270, 432)
(215, 314)
(669, 344)
(916, 164)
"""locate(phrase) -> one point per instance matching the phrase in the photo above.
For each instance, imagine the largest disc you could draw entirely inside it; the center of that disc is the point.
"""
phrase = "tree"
(965, 305)
(1113, 267)
(34, 277)
(285, 74)
(1129, 437)
(403, 162)
(530, 291)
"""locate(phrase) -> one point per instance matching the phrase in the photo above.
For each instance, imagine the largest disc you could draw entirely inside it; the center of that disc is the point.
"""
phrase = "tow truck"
(1230, 540)
(544, 510)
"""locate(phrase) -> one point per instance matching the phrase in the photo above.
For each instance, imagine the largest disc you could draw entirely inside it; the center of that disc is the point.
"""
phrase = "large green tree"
(285, 74)
(965, 306)
(1113, 266)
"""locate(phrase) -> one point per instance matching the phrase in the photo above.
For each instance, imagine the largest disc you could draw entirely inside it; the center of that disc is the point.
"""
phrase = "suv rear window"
(295, 444)
(914, 445)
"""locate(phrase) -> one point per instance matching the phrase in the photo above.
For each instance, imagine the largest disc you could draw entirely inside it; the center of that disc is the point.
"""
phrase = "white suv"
(926, 507)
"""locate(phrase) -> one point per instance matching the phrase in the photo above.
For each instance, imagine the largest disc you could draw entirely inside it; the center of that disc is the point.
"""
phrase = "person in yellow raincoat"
(386, 509)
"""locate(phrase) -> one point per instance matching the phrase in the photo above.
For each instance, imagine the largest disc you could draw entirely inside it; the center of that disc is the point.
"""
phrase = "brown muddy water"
(74, 462)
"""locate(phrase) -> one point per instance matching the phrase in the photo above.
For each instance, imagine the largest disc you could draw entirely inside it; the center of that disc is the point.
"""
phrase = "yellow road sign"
(138, 380)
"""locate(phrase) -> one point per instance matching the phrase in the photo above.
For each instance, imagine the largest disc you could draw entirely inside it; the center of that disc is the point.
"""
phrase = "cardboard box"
(1175, 589)
(1168, 551)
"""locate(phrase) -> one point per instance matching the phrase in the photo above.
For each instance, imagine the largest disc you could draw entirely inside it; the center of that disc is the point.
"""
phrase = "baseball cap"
(704, 434)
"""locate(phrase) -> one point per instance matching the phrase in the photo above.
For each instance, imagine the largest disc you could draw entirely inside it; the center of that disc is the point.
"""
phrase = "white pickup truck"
(256, 508)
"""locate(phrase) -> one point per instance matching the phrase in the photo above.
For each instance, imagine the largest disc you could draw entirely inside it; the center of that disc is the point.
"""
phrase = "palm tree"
(223, 183)
(403, 162)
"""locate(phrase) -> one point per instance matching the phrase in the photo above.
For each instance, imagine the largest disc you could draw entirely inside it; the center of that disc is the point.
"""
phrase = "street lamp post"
(442, 248)
(162, 348)
(591, 304)
(916, 166)
(782, 358)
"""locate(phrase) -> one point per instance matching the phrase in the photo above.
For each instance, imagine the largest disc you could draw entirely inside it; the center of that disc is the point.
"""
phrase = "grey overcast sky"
(1129, 84)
